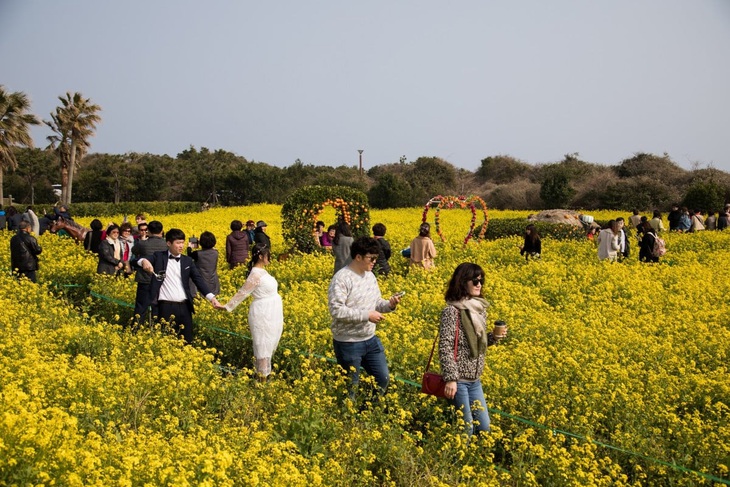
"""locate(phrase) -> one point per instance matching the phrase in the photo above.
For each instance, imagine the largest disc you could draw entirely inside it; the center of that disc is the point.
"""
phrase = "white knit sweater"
(351, 297)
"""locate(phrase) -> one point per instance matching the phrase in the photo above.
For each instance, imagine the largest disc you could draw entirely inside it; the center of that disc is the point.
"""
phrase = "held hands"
(217, 305)
(450, 389)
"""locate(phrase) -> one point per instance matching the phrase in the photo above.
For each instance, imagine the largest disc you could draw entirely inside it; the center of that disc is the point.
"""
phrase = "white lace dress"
(266, 313)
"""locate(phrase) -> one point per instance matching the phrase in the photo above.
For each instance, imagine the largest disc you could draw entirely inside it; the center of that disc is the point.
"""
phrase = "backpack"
(659, 248)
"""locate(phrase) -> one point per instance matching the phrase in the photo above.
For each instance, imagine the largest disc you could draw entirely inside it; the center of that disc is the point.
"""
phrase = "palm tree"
(73, 123)
(14, 129)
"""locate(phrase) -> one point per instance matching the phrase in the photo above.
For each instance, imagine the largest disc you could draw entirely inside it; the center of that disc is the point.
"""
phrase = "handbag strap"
(456, 342)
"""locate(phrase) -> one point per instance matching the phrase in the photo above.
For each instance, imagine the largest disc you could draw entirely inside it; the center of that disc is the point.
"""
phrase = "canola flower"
(631, 355)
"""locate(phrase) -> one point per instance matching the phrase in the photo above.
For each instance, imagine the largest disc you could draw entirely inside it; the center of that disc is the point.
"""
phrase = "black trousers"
(142, 302)
(178, 315)
(29, 274)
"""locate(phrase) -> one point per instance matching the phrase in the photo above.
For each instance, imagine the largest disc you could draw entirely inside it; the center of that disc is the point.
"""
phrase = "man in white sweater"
(356, 307)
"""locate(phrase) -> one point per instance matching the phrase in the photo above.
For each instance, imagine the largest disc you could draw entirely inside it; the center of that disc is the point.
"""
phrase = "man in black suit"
(145, 248)
(169, 287)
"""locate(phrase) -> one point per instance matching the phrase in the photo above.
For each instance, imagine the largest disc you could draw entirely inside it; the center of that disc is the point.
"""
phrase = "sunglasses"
(371, 258)
(477, 281)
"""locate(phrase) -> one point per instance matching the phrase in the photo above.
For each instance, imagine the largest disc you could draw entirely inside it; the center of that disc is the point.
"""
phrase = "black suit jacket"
(145, 248)
(188, 271)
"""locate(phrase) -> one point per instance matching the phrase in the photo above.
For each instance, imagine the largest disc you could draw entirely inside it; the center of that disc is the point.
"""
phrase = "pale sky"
(276, 81)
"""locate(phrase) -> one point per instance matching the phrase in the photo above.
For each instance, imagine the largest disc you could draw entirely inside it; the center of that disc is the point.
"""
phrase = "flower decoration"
(463, 202)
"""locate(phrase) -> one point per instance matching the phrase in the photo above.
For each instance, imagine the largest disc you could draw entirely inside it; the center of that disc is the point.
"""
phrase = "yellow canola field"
(613, 374)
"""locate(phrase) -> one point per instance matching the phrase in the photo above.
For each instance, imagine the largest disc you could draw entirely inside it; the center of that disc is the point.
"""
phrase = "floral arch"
(303, 208)
(472, 202)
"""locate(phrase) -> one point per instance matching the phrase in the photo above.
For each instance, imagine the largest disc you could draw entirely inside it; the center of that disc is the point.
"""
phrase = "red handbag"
(433, 383)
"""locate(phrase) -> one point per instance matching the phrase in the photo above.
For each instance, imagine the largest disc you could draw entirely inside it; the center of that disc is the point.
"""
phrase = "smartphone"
(399, 294)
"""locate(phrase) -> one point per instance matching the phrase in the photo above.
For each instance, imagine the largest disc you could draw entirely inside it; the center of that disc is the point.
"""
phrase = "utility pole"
(360, 152)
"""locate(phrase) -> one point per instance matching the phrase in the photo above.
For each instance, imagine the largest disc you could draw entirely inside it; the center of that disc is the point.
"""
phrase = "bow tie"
(170, 256)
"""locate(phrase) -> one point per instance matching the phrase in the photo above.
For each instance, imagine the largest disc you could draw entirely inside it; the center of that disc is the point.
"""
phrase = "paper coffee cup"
(500, 329)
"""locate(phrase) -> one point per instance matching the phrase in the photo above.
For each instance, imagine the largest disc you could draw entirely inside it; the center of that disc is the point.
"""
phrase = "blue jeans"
(368, 354)
(476, 416)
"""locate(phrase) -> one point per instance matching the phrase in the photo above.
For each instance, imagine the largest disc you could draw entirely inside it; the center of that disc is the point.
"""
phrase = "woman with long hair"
(608, 242)
(532, 247)
(646, 245)
(463, 341)
(266, 313)
(422, 248)
(93, 238)
(341, 245)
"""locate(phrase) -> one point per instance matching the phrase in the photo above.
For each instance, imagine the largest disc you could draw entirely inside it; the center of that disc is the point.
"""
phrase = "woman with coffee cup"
(463, 341)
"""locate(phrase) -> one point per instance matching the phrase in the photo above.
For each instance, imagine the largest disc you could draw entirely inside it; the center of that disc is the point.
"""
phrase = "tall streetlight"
(360, 152)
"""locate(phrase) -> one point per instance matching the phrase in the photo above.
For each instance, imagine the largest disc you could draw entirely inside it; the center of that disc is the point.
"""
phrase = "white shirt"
(172, 287)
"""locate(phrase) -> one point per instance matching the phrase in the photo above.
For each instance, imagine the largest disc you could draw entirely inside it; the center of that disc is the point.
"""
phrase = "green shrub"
(516, 226)
(302, 208)
(132, 208)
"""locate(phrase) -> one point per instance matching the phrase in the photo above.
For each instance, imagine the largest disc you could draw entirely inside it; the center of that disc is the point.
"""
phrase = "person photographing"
(169, 288)
(357, 307)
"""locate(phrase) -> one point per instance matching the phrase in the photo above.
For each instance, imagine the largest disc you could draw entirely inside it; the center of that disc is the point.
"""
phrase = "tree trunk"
(64, 180)
(2, 181)
(71, 167)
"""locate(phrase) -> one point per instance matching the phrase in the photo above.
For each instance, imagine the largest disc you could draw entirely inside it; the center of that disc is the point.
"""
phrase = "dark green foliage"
(623, 195)
(31, 182)
(131, 208)
(391, 191)
(412, 184)
(555, 191)
(500, 228)
(300, 210)
(705, 196)
(644, 181)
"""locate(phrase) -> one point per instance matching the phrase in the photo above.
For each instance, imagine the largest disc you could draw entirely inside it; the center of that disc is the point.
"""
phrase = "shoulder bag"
(433, 383)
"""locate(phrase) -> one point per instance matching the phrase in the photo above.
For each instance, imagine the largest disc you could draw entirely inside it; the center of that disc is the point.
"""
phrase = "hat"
(250, 222)
(260, 224)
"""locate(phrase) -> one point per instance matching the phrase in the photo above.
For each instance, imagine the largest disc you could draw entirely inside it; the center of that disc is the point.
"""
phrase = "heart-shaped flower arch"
(463, 202)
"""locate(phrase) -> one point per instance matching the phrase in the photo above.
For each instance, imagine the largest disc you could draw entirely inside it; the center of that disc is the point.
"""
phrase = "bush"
(502, 169)
(516, 226)
(556, 191)
(705, 196)
(390, 191)
(518, 195)
(133, 207)
(303, 207)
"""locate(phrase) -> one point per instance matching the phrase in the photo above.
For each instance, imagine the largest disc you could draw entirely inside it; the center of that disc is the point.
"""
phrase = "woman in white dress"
(266, 313)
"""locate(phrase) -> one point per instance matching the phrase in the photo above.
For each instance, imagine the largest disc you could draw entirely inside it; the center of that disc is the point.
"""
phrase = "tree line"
(642, 181)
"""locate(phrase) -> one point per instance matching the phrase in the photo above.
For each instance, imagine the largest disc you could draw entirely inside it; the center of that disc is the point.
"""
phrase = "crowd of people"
(614, 241)
(170, 271)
